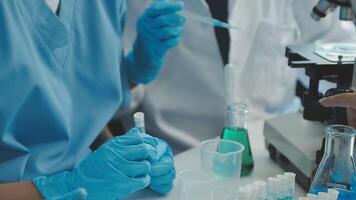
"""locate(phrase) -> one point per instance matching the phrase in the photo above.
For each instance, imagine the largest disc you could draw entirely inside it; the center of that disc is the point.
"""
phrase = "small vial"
(254, 190)
(290, 185)
(323, 196)
(139, 120)
(333, 194)
(303, 198)
(284, 185)
(311, 196)
(272, 188)
(244, 193)
(261, 190)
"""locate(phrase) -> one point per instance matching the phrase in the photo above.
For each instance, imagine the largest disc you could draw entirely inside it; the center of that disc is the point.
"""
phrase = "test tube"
(139, 120)
(284, 185)
(323, 196)
(333, 194)
(311, 196)
(291, 184)
(272, 188)
(244, 193)
(261, 190)
(254, 190)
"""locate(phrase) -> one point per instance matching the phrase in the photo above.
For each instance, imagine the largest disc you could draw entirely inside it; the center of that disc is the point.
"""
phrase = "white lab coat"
(185, 105)
(265, 82)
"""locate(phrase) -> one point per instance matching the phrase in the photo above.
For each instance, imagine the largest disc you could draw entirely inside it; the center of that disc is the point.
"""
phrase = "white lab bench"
(264, 166)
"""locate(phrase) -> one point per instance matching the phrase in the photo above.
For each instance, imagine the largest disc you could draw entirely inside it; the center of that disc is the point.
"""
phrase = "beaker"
(223, 159)
(337, 168)
(195, 184)
(236, 130)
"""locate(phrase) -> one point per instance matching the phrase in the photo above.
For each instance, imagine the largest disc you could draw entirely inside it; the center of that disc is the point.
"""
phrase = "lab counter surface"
(264, 166)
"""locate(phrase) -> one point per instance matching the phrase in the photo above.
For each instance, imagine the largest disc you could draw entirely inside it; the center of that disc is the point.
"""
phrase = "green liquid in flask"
(241, 135)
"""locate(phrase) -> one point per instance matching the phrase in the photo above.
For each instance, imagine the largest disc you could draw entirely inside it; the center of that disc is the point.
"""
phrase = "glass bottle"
(236, 130)
(337, 168)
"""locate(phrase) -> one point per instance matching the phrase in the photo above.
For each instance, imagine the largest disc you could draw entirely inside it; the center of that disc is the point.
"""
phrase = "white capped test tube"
(139, 120)
(323, 196)
(244, 193)
(333, 194)
(291, 184)
(311, 196)
(272, 188)
(261, 190)
(284, 185)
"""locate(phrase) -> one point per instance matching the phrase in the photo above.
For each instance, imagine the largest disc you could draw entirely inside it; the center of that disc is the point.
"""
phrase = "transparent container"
(236, 130)
(223, 159)
(337, 168)
(195, 184)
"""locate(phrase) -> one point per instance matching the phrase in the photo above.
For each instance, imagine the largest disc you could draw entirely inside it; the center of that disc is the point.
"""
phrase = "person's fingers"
(341, 100)
(137, 184)
(351, 116)
(132, 137)
(167, 33)
(138, 152)
(130, 169)
(164, 166)
(171, 42)
(163, 8)
(164, 179)
(167, 21)
(162, 189)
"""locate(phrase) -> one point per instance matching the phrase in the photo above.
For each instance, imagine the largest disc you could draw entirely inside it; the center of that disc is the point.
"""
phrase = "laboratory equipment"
(223, 158)
(195, 184)
(236, 130)
(139, 120)
(330, 194)
(323, 7)
(208, 20)
(295, 140)
(236, 119)
(337, 168)
(280, 187)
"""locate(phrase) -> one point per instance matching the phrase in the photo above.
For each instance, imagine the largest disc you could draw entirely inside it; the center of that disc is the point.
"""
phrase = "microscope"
(296, 141)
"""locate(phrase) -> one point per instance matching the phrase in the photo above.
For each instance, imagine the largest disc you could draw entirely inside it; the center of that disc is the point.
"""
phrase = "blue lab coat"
(61, 81)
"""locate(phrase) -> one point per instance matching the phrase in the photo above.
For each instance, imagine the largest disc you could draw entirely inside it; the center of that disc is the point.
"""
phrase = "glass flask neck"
(236, 116)
(340, 141)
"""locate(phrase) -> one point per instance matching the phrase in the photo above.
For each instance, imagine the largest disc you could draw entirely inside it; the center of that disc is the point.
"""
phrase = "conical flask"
(337, 168)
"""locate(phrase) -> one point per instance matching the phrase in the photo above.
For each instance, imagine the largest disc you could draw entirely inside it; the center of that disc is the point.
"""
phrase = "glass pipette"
(208, 20)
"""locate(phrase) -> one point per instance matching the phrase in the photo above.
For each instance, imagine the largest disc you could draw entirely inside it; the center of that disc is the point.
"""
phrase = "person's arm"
(102, 138)
(22, 190)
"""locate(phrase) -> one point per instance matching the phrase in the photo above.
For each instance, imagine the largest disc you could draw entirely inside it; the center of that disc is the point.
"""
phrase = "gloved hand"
(79, 194)
(118, 168)
(163, 170)
(158, 30)
(163, 174)
(347, 100)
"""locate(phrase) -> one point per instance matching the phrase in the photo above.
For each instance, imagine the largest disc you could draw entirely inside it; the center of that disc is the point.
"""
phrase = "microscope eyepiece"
(323, 7)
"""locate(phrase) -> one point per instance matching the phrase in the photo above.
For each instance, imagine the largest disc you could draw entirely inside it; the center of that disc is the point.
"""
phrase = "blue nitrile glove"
(79, 194)
(163, 174)
(163, 170)
(158, 30)
(118, 168)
